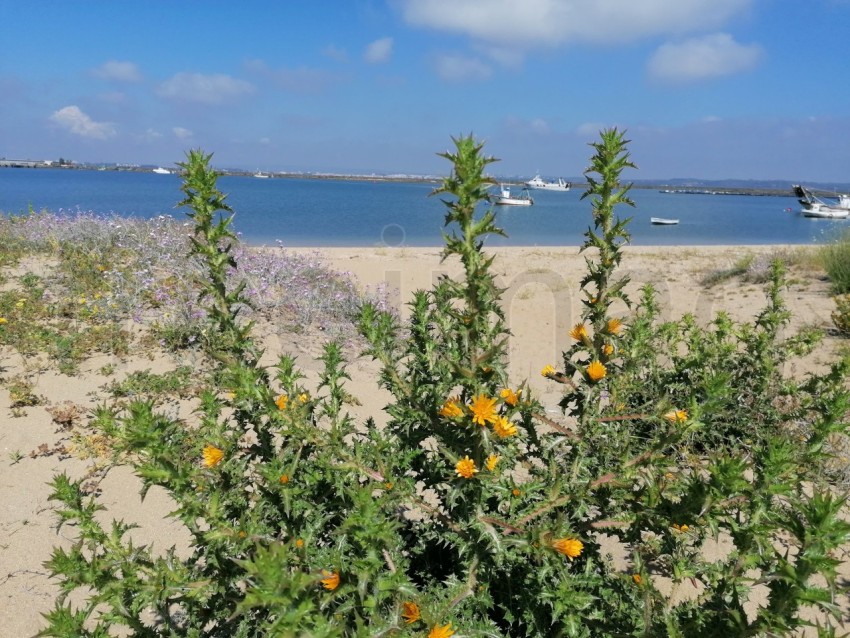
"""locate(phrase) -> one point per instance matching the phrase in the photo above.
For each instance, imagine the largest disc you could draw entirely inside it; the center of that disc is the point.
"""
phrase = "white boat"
(261, 175)
(159, 170)
(663, 221)
(506, 199)
(814, 206)
(539, 184)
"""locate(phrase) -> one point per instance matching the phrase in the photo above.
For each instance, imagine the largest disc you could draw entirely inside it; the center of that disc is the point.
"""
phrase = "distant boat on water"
(261, 175)
(159, 170)
(505, 198)
(663, 221)
(813, 206)
(538, 183)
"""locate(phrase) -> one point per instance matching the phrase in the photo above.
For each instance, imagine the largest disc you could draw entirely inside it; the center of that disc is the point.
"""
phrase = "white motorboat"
(159, 170)
(261, 175)
(540, 184)
(663, 221)
(505, 198)
(814, 206)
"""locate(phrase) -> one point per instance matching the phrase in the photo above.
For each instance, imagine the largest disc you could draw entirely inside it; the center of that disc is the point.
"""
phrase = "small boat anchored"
(663, 221)
(537, 183)
(813, 206)
(506, 199)
(261, 175)
(159, 170)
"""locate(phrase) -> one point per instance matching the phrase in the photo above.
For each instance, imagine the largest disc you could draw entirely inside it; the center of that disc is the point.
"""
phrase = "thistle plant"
(472, 513)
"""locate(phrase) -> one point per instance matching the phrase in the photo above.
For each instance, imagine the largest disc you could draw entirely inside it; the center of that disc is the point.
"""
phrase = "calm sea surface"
(311, 212)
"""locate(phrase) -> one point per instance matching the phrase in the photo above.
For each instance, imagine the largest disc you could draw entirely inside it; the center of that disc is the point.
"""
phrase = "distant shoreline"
(424, 179)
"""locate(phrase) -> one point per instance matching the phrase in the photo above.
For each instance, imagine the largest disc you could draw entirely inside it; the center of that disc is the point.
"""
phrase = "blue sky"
(713, 89)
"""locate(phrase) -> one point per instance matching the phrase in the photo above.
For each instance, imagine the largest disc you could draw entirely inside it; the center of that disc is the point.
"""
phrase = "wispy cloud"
(379, 51)
(335, 53)
(73, 120)
(460, 68)
(204, 89)
(116, 71)
(302, 80)
(181, 133)
(710, 56)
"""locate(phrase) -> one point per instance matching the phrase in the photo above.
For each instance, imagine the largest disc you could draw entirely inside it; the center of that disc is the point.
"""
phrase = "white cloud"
(304, 80)
(459, 68)
(181, 133)
(711, 56)
(204, 89)
(118, 71)
(72, 119)
(379, 51)
(532, 24)
(335, 53)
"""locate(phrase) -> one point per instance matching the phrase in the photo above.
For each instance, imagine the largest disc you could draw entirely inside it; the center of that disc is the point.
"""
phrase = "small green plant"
(836, 261)
(144, 383)
(841, 315)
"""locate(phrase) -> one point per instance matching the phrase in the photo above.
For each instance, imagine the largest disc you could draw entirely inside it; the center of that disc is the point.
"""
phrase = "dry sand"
(541, 302)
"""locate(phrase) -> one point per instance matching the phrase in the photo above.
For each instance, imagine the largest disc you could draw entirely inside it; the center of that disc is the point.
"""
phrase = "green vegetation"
(474, 513)
(836, 262)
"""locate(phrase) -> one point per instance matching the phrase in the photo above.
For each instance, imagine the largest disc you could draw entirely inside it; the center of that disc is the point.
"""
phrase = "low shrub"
(836, 262)
(474, 513)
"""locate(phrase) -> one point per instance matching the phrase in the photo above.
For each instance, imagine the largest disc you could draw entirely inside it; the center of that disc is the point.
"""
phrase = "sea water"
(336, 212)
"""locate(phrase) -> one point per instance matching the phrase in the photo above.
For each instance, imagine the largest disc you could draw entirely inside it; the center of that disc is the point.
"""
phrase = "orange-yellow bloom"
(579, 332)
(282, 402)
(3, 320)
(303, 397)
(504, 428)
(515, 492)
(299, 543)
(451, 409)
(596, 370)
(492, 461)
(569, 547)
(483, 410)
(548, 371)
(638, 580)
(331, 580)
(607, 349)
(510, 397)
(410, 612)
(465, 468)
(677, 416)
(614, 326)
(284, 479)
(441, 632)
(680, 528)
(212, 456)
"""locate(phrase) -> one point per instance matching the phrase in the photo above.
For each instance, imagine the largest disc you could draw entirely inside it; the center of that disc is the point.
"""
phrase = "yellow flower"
(441, 632)
(677, 416)
(569, 547)
(548, 371)
(81, 300)
(638, 580)
(299, 543)
(596, 370)
(579, 332)
(410, 612)
(451, 409)
(614, 326)
(212, 456)
(680, 528)
(20, 304)
(465, 468)
(303, 397)
(3, 320)
(282, 402)
(515, 492)
(504, 428)
(607, 349)
(284, 479)
(388, 485)
(331, 580)
(492, 461)
(483, 410)
(510, 397)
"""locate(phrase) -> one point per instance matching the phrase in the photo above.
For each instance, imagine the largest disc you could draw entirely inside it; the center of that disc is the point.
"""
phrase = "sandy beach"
(541, 301)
